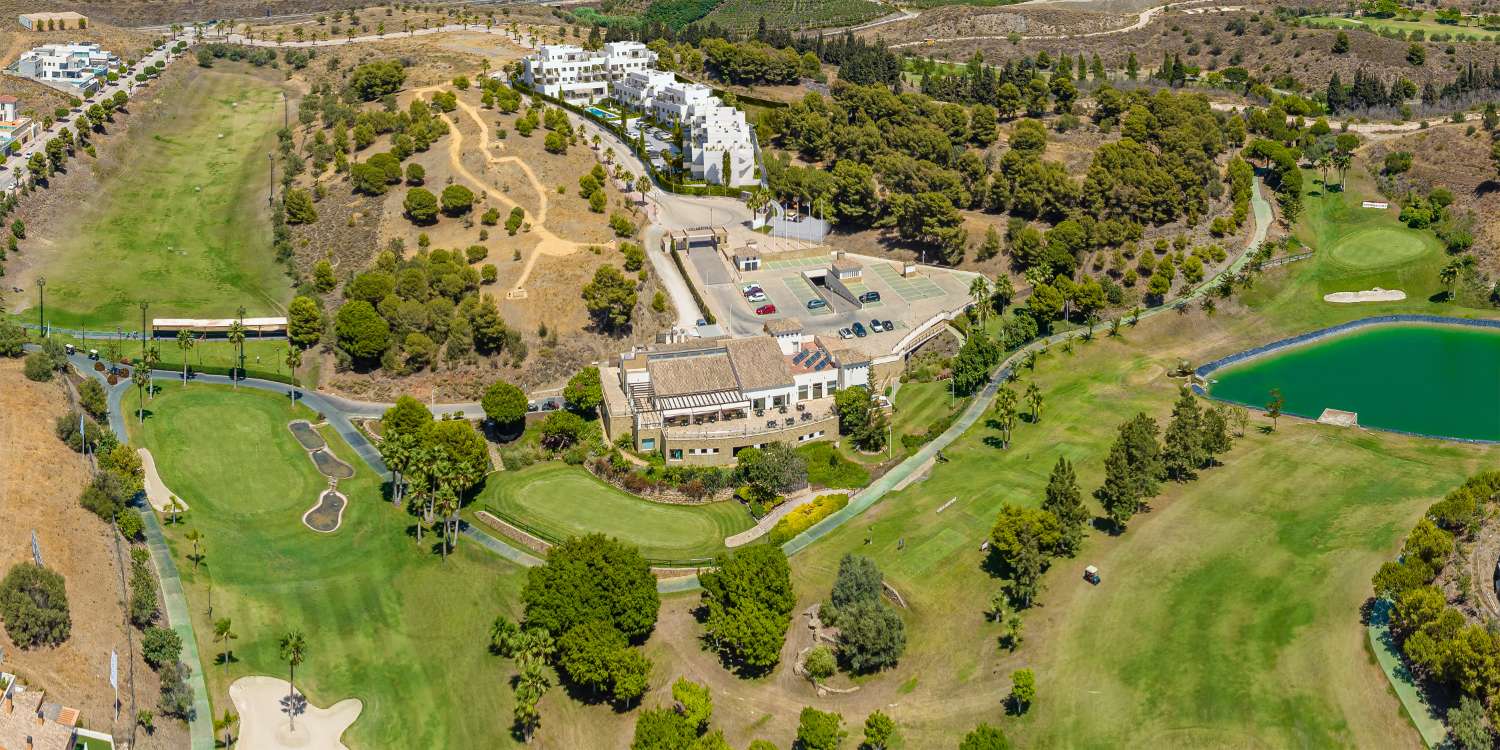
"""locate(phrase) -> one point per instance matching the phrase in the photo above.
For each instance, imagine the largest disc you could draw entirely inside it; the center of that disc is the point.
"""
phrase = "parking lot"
(905, 302)
(656, 140)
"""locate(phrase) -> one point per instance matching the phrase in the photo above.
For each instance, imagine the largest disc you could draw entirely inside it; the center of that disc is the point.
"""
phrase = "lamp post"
(144, 305)
(41, 305)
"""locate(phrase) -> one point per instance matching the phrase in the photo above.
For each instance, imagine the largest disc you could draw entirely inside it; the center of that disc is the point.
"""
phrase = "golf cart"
(1091, 574)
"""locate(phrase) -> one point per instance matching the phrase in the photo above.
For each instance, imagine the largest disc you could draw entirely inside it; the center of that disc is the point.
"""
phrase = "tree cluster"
(747, 606)
(872, 635)
(34, 606)
(403, 313)
(440, 461)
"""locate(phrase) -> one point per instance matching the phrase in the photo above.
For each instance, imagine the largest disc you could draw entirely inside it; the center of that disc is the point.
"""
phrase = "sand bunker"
(156, 490)
(328, 514)
(1370, 295)
(265, 723)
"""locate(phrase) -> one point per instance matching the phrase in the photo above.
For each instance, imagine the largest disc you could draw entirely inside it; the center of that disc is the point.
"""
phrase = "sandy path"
(1142, 20)
(264, 726)
(548, 243)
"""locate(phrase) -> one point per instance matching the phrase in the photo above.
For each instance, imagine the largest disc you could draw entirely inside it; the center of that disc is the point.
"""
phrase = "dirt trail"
(548, 243)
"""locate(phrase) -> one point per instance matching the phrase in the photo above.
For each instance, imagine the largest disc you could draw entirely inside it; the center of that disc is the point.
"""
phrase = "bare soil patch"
(40, 481)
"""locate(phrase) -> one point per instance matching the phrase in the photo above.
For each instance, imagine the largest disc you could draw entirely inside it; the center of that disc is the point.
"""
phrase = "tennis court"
(910, 289)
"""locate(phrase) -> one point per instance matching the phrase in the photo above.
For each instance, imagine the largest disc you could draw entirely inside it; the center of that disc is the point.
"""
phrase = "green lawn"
(1228, 616)
(182, 222)
(1428, 25)
(559, 501)
(827, 466)
(386, 622)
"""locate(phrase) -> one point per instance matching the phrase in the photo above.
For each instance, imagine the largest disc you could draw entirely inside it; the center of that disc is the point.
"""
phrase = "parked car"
(751, 289)
(859, 330)
(875, 326)
(765, 310)
(869, 297)
(817, 304)
(755, 297)
(846, 333)
(889, 326)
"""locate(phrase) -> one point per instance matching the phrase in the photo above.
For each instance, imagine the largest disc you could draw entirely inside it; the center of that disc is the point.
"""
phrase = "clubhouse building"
(702, 401)
(72, 66)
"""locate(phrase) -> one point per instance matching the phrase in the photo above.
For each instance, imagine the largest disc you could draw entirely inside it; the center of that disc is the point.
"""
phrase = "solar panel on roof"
(817, 357)
(797, 360)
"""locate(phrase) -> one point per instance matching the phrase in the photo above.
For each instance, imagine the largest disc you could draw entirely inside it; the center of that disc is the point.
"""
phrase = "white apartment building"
(640, 87)
(673, 103)
(626, 72)
(576, 75)
(72, 64)
(709, 133)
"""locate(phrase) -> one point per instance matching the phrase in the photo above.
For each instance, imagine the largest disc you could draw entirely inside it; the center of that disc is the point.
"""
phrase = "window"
(802, 392)
(648, 444)
(758, 404)
(675, 454)
(778, 400)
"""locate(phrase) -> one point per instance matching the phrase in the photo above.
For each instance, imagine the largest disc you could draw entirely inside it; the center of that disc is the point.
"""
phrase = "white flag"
(114, 669)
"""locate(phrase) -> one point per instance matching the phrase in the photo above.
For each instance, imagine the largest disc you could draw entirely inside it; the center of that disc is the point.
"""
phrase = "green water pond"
(1427, 379)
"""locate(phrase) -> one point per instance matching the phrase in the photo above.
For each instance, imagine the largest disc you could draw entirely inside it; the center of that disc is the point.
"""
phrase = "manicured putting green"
(562, 501)
(1432, 380)
(1378, 247)
(182, 221)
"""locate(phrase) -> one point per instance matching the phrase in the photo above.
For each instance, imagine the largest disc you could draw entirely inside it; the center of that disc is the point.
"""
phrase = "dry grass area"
(1268, 48)
(40, 481)
(554, 256)
(1448, 156)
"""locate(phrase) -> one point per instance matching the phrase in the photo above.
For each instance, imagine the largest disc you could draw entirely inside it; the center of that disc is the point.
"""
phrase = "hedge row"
(803, 518)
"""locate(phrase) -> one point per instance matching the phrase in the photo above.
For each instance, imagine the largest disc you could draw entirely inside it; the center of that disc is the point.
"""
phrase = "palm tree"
(142, 378)
(1034, 402)
(1005, 409)
(979, 291)
(398, 450)
(1322, 162)
(196, 537)
(293, 651)
(175, 507)
(447, 507)
(185, 342)
(225, 723)
(149, 361)
(237, 338)
(1455, 269)
(293, 361)
(223, 634)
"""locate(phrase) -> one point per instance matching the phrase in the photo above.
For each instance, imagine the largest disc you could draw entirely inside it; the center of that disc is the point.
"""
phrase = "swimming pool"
(603, 114)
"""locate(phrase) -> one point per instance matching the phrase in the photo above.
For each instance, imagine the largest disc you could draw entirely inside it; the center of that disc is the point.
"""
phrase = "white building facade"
(627, 73)
(73, 64)
(581, 76)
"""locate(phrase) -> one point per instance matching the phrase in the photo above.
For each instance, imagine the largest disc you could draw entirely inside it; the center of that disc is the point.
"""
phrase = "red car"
(765, 310)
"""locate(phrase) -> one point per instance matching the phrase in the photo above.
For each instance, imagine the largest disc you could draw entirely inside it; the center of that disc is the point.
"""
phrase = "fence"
(703, 310)
(554, 540)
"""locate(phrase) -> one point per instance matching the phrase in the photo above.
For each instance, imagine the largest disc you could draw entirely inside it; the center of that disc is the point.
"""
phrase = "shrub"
(820, 664)
(131, 526)
(38, 367)
(34, 606)
(805, 516)
(160, 646)
(176, 696)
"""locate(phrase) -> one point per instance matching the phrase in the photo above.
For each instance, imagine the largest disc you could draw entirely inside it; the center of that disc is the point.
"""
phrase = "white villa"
(77, 65)
(16, 130)
(626, 72)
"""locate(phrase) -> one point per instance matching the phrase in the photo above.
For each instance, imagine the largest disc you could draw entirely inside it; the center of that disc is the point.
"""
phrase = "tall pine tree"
(1184, 453)
(1064, 501)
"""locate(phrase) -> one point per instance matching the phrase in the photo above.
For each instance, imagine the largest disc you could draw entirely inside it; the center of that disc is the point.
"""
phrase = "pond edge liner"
(1203, 371)
(339, 523)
